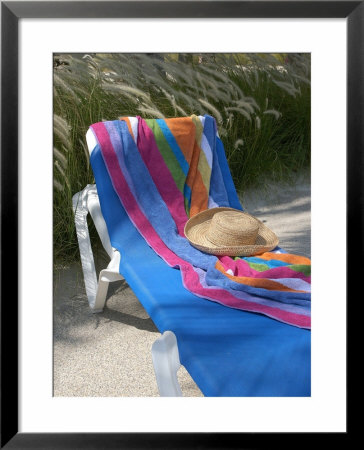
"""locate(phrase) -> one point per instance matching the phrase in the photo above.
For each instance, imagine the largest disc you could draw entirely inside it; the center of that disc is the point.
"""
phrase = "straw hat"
(230, 232)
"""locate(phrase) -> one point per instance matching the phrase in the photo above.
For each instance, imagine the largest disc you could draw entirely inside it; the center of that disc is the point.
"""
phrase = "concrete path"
(286, 209)
(109, 354)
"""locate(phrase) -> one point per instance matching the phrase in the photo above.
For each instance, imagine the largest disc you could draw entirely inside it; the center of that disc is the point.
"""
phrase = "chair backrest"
(90, 140)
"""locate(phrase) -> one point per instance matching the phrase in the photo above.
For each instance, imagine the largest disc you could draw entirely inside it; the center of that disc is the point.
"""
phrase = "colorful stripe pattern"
(165, 171)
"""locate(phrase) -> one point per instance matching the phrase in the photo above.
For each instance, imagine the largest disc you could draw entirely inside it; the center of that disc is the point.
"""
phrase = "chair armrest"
(79, 204)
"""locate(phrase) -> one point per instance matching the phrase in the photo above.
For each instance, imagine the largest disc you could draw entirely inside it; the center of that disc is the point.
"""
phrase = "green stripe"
(258, 267)
(204, 170)
(168, 155)
(304, 268)
(187, 207)
(198, 126)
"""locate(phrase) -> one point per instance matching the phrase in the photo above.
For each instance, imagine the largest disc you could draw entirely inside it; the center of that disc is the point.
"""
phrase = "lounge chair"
(227, 352)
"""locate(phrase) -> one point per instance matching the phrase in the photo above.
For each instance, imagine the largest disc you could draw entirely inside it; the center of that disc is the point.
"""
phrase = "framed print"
(31, 34)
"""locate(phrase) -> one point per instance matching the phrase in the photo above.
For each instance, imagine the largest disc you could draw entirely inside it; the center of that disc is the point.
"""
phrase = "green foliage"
(261, 103)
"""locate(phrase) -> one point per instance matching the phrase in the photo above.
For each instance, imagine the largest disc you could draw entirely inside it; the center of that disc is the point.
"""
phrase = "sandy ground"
(109, 354)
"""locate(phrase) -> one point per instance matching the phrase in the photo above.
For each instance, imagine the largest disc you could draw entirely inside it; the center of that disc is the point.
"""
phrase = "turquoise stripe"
(179, 156)
(270, 263)
(174, 146)
(187, 193)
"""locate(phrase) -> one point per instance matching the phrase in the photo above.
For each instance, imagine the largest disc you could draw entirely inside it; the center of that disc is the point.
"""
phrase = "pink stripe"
(241, 268)
(161, 175)
(128, 200)
(190, 278)
(192, 282)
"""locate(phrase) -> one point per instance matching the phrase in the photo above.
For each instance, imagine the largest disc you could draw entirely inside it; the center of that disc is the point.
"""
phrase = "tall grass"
(261, 104)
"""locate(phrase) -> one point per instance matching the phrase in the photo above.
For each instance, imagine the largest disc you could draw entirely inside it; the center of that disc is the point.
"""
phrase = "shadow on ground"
(71, 308)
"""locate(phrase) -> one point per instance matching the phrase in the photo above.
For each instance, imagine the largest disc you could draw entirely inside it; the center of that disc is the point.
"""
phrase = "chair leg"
(166, 364)
(106, 276)
(100, 299)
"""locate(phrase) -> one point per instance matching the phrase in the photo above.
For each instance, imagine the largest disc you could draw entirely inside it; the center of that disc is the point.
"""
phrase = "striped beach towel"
(167, 170)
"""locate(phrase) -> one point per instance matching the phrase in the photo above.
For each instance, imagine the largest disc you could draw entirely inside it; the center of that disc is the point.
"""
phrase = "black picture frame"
(11, 12)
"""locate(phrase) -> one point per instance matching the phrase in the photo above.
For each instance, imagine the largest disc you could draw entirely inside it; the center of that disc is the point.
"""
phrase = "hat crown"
(232, 228)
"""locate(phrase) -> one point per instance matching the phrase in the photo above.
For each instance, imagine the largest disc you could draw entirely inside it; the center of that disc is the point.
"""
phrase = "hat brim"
(197, 226)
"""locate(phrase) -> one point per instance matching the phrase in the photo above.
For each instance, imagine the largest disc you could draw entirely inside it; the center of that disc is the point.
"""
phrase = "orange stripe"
(183, 131)
(285, 257)
(126, 119)
(199, 196)
(256, 282)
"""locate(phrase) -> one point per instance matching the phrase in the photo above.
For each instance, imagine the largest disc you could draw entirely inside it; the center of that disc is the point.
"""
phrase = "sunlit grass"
(261, 104)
